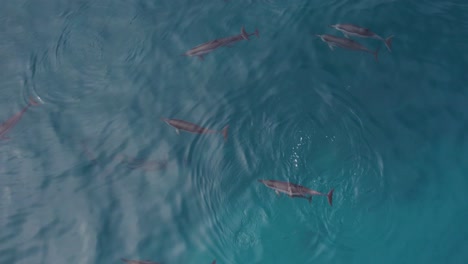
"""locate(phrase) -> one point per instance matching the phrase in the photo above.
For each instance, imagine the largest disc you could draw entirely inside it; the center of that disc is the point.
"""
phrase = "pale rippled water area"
(92, 174)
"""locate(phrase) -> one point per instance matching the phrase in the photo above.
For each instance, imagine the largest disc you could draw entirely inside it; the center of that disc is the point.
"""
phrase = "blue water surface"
(92, 174)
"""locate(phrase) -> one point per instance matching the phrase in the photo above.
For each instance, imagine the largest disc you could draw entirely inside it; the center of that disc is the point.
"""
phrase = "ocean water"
(92, 174)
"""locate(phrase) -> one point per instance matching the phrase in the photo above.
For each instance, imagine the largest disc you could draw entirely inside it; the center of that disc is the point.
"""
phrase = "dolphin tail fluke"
(388, 43)
(244, 34)
(330, 196)
(225, 132)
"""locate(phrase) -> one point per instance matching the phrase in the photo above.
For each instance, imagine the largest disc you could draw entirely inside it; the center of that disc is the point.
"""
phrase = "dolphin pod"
(357, 31)
(290, 189)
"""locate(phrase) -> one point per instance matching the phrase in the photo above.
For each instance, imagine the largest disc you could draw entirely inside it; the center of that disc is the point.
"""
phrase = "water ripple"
(78, 53)
(325, 127)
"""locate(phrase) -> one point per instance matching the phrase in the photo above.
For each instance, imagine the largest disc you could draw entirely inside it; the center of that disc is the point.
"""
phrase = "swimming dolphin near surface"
(334, 41)
(190, 127)
(214, 262)
(12, 121)
(146, 165)
(295, 190)
(353, 30)
(207, 47)
(138, 261)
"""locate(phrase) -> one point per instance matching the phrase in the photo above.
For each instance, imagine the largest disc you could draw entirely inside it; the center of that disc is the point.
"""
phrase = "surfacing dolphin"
(346, 43)
(208, 47)
(353, 30)
(295, 190)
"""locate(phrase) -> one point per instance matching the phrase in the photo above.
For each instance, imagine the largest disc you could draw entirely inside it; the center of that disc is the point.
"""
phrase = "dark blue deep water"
(92, 174)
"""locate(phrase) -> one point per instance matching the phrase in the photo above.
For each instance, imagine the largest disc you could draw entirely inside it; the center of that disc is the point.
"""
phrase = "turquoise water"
(93, 175)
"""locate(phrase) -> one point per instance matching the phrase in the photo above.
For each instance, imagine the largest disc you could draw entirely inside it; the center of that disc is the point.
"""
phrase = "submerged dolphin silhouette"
(12, 121)
(334, 41)
(295, 190)
(193, 128)
(353, 30)
(209, 46)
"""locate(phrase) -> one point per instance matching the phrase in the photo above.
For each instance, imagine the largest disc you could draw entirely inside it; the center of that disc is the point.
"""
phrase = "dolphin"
(147, 165)
(214, 262)
(243, 35)
(334, 41)
(295, 190)
(209, 46)
(138, 261)
(190, 127)
(12, 121)
(353, 30)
